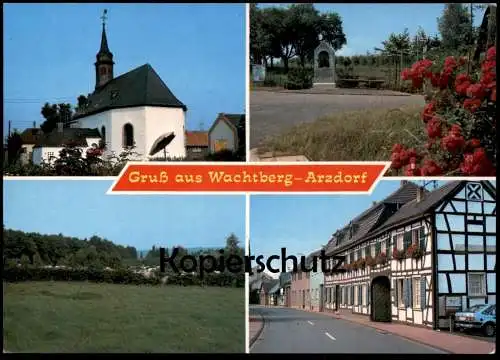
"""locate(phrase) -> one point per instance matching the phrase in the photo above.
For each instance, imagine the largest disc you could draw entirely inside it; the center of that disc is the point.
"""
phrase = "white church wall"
(222, 131)
(97, 121)
(135, 116)
(163, 120)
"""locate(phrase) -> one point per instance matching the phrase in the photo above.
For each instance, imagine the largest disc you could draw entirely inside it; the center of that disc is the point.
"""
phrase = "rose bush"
(459, 119)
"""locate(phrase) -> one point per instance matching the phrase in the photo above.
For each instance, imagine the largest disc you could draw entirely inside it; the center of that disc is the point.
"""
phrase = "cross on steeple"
(104, 17)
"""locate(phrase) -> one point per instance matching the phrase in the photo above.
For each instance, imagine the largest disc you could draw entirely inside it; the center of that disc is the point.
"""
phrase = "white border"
(386, 164)
(247, 83)
(247, 276)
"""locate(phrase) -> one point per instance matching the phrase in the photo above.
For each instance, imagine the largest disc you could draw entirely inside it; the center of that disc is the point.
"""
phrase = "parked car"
(478, 317)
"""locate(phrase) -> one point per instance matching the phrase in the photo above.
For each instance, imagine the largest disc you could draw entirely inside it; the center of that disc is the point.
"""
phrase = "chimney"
(60, 127)
(374, 203)
(404, 182)
(420, 194)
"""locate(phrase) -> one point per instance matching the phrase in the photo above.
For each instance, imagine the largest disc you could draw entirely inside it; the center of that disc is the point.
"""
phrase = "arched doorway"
(323, 60)
(381, 299)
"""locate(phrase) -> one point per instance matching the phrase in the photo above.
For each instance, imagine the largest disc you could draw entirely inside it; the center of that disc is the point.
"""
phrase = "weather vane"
(104, 17)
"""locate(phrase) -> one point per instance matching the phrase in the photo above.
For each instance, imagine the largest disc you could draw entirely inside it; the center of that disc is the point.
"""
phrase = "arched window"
(128, 135)
(103, 134)
(103, 71)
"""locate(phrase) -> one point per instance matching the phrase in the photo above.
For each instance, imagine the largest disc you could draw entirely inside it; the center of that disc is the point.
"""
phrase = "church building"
(135, 110)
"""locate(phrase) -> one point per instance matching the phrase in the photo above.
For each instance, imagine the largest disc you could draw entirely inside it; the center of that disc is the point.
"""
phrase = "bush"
(299, 78)
(459, 119)
(15, 273)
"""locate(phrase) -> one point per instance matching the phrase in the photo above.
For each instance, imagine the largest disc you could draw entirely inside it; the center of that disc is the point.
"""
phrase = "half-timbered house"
(418, 256)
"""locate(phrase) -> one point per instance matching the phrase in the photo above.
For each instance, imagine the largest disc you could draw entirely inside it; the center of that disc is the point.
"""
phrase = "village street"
(294, 331)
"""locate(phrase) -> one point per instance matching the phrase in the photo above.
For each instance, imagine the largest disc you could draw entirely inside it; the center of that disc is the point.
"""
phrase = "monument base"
(324, 85)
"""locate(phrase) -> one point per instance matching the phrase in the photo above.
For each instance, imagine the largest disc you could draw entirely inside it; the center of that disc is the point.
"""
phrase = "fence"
(362, 70)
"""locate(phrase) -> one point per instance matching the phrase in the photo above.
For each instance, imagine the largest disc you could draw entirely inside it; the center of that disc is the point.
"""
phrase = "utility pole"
(10, 125)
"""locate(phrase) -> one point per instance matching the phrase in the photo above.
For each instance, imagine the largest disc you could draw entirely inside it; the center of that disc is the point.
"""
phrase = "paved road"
(294, 331)
(271, 113)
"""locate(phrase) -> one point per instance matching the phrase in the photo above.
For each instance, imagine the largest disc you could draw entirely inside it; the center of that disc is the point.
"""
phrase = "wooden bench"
(363, 81)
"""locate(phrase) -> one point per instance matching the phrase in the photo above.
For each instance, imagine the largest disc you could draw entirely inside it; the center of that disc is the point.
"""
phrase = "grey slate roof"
(75, 136)
(371, 218)
(141, 86)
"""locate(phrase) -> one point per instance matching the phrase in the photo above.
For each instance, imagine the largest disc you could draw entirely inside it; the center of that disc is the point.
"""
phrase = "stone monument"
(324, 64)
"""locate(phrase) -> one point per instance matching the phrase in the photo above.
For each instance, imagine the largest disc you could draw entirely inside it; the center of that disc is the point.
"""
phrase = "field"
(64, 317)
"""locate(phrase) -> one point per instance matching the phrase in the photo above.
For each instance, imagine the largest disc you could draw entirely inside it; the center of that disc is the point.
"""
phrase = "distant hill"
(191, 250)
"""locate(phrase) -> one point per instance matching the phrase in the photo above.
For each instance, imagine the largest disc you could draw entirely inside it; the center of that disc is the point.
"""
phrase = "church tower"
(104, 63)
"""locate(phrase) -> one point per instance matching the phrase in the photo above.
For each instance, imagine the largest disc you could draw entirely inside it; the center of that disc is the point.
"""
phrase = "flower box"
(414, 252)
(370, 261)
(398, 254)
(381, 258)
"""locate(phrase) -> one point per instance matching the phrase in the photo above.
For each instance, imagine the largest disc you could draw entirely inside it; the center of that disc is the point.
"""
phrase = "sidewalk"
(445, 341)
(255, 326)
(270, 157)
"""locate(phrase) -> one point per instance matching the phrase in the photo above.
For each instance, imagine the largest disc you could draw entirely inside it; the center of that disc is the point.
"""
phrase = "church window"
(103, 71)
(103, 134)
(128, 135)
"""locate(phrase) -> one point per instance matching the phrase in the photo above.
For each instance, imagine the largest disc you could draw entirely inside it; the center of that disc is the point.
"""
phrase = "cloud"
(345, 51)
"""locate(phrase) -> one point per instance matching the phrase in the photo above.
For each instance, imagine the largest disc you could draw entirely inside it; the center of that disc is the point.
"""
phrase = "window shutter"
(352, 295)
(405, 293)
(422, 239)
(410, 291)
(395, 290)
(422, 292)
(368, 300)
(360, 295)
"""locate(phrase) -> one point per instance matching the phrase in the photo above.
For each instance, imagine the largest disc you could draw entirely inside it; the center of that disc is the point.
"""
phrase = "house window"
(128, 135)
(399, 242)
(50, 155)
(388, 247)
(367, 251)
(220, 145)
(407, 239)
(401, 299)
(416, 292)
(196, 150)
(378, 248)
(477, 284)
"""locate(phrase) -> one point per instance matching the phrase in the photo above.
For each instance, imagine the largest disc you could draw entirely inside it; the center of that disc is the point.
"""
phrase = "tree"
(232, 244)
(455, 27)
(396, 43)
(14, 147)
(54, 114)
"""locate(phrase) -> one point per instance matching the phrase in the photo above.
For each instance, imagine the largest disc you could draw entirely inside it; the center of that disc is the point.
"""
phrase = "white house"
(134, 110)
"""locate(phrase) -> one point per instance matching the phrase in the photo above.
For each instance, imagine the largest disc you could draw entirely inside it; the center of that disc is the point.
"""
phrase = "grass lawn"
(362, 135)
(85, 317)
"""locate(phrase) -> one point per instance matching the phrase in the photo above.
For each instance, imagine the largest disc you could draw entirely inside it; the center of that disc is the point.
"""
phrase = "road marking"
(310, 322)
(330, 336)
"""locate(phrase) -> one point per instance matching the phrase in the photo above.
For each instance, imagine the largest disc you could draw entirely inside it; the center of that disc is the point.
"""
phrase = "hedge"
(122, 276)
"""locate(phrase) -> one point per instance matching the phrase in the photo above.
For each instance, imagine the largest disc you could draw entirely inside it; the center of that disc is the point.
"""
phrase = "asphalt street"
(294, 331)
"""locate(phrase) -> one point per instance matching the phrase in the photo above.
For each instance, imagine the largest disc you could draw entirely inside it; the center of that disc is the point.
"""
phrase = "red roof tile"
(197, 138)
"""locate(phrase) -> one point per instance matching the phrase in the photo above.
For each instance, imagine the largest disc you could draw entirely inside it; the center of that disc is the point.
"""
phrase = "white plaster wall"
(41, 154)
(222, 131)
(25, 157)
(119, 117)
(96, 122)
(162, 120)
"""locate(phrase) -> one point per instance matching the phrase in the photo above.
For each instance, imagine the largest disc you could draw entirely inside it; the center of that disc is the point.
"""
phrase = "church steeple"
(104, 63)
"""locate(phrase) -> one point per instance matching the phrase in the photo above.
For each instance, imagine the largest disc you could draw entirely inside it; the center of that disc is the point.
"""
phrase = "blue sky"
(198, 50)
(303, 223)
(81, 209)
(367, 25)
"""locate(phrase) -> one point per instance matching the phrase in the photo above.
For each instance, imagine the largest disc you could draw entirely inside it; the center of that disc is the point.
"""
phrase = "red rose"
(472, 104)
(431, 168)
(434, 128)
(491, 54)
(476, 91)
(429, 110)
(477, 164)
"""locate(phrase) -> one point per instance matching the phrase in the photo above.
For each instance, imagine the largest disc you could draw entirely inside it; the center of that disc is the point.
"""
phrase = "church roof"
(75, 136)
(141, 86)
